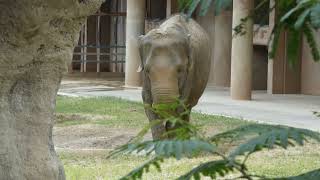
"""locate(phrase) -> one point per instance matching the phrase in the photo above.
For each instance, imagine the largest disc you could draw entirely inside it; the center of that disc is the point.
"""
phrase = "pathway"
(290, 110)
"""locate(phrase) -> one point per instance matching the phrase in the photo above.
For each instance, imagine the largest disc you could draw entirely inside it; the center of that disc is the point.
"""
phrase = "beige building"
(107, 47)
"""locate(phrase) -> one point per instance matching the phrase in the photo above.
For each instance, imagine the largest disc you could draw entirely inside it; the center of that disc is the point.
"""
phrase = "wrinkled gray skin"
(37, 38)
(175, 64)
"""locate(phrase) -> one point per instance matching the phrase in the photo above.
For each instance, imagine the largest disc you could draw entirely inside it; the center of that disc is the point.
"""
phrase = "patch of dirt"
(75, 82)
(62, 117)
(87, 136)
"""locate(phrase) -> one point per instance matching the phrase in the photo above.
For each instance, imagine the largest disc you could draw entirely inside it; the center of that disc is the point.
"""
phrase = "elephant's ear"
(186, 89)
(144, 44)
(140, 47)
(191, 55)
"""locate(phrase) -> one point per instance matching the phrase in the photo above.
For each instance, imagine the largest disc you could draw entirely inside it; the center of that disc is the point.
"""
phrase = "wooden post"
(98, 43)
(82, 48)
(85, 47)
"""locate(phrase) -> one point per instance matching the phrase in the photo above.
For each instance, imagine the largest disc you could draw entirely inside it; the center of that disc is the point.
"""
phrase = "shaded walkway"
(290, 110)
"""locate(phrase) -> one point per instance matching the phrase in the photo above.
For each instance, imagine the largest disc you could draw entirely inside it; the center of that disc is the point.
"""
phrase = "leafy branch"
(256, 138)
(298, 18)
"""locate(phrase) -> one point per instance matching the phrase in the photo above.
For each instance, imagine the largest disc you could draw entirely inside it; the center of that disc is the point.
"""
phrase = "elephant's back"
(181, 24)
(201, 51)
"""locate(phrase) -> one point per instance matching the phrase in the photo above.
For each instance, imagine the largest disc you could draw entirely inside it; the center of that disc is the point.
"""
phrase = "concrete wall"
(207, 22)
(221, 70)
(157, 9)
(310, 72)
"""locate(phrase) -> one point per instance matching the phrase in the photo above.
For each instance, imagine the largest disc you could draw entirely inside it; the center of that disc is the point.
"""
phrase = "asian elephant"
(175, 64)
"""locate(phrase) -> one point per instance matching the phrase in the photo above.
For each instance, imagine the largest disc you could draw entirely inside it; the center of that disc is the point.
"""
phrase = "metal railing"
(103, 51)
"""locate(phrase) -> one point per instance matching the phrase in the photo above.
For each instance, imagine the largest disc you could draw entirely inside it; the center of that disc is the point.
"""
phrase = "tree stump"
(37, 38)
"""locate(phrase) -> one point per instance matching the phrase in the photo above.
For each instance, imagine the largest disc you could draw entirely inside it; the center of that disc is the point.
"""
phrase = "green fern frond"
(282, 137)
(183, 5)
(243, 132)
(257, 130)
(204, 7)
(144, 168)
(221, 5)
(168, 148)
(300, 6)
(293, 46)
(275, 40)
(165, 149)
(312, 175)
(208, 169)
(194, 4)
(315, 16)
(302, 19)
(309, 34)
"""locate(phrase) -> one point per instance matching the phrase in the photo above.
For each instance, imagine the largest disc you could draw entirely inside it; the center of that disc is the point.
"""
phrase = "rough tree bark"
(37, 38)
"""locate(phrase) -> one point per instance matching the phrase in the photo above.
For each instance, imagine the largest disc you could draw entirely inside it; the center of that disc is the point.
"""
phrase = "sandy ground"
(90, 137)
(92, 84)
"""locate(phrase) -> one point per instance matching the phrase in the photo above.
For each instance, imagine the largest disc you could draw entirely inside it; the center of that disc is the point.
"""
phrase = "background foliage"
(297, 18)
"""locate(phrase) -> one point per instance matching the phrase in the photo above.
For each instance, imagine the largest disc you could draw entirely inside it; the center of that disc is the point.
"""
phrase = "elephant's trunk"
(164, 95)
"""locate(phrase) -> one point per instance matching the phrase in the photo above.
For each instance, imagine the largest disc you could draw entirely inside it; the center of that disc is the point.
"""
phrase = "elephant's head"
(166, 63)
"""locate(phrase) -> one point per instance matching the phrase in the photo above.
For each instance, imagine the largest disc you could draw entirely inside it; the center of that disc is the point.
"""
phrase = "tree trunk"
(37, 38)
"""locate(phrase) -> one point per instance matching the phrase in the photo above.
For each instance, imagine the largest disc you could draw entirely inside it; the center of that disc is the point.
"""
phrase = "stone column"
(272, 19)
(242, 52)
(222, 50)
(168, 10)
(135, 27)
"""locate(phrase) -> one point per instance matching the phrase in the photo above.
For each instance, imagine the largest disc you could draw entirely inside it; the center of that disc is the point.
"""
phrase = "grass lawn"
(116, 113)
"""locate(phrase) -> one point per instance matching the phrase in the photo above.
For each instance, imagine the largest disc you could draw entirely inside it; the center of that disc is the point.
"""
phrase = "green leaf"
(221, 5)
(184, 4)
(302, 18)
(315, 16)
(276, 39)
(205, 6)
(209, 169)
(243, 132)
(293, 47)
(276, 137)
(169, 148)
(193, 7)
(301, 4)
(138, 172)
(309, 34)
(312, 175)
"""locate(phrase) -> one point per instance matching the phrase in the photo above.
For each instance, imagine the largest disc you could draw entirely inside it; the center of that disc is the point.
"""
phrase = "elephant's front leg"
(184, 113)
(159, 129)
